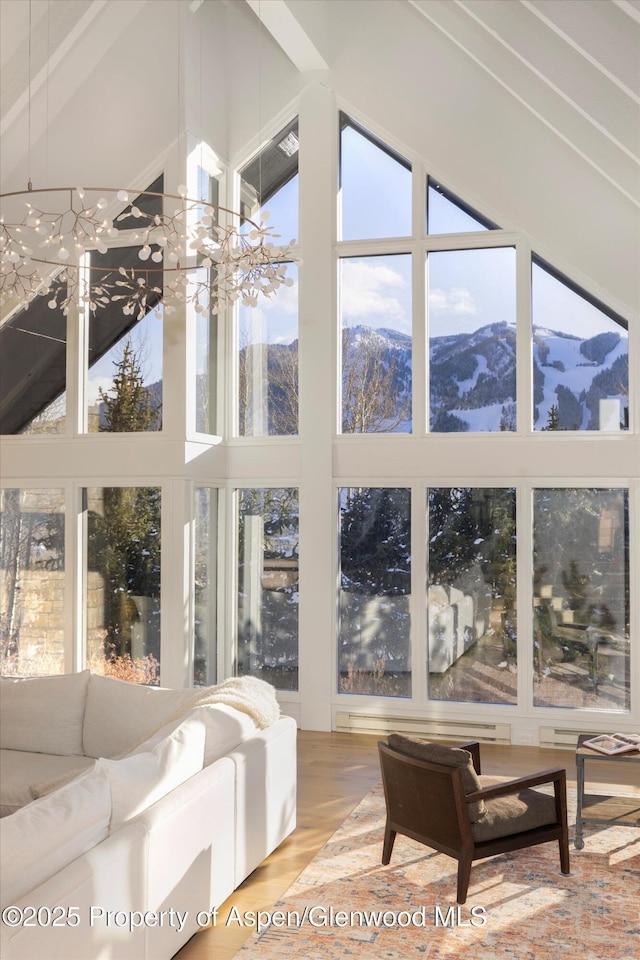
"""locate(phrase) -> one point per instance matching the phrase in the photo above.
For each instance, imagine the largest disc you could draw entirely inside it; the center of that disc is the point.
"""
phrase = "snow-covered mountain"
(472, 379)
(473, 376)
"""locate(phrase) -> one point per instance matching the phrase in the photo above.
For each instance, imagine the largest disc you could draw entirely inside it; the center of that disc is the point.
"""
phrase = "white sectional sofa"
(129, 812)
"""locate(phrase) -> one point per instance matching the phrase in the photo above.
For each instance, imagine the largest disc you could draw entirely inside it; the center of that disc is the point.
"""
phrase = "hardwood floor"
(335, 770)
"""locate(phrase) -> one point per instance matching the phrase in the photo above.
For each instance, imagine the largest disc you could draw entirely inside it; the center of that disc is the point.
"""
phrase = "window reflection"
(374, 652)
(32, 582)
(471, 594)
(268, 585)
(123, 582)
(581, 598)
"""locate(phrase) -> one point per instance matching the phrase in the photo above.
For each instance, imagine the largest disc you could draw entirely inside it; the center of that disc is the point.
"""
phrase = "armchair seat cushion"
(450, 756)
(515, 813)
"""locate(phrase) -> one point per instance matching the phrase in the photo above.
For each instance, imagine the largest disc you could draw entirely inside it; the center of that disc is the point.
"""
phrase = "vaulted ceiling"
(544, 92)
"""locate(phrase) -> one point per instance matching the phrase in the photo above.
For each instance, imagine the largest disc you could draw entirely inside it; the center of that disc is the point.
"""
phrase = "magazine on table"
(612, 743)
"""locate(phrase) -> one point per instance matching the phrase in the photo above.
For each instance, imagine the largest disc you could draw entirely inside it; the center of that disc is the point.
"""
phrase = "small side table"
(603, 809)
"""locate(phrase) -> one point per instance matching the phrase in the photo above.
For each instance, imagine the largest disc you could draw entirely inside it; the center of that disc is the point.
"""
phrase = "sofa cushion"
(21, 774)
(43, 714)
(450, 756)
(119, 715)
(40, 839)
(141, 779)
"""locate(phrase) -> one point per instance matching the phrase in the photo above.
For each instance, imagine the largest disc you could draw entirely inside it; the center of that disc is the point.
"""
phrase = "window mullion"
(524, 375)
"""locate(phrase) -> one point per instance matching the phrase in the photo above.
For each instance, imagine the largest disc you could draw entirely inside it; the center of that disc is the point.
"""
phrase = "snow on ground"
(482, 420)
(464, 385)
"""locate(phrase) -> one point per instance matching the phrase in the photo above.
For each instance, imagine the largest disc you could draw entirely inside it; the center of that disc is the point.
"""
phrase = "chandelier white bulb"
(200, 253)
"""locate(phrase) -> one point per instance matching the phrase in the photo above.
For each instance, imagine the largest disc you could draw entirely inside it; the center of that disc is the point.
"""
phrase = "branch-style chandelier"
(52, 242)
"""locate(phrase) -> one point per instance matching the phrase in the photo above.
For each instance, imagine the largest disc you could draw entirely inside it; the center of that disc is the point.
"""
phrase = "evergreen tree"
(553, 419)
(128, 409)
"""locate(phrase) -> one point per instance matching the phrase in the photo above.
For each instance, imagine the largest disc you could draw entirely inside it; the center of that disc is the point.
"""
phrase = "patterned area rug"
(346, 906)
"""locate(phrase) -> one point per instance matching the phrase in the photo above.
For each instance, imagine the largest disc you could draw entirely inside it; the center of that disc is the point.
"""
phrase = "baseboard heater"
(561, 737)
(436, 729)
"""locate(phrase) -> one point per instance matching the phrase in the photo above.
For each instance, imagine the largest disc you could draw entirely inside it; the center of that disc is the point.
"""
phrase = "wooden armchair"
(434, 794)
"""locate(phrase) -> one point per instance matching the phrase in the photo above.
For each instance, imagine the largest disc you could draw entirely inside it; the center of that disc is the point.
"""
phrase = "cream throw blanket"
(247, 694)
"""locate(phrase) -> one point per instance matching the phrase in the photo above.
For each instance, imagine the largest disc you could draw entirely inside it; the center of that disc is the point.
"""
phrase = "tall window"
(205, 647)
(32, 571)
(581, 598)
(375, 309)
(471, 594)
(375, 186)
(269, 182)
(268, 363)
(580, 358)
(124, 379)
(374, 641)
(472, 340)
(268, 585)
(207, 332)
(267, 334)
(123, 582)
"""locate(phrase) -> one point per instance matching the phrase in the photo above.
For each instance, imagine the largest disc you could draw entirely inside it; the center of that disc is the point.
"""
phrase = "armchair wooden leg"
(563, 843)
(464, 873)
(389, 840)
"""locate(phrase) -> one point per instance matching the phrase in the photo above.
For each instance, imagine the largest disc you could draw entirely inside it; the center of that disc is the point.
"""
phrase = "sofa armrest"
(266, 780)
(110, 877)
(191, 852)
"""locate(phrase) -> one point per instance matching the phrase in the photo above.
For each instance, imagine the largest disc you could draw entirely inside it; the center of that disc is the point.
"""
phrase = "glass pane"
(581, 598)
(375, 317)
(270, 181)
(124, 380)
(580, 360)
(206, 342)
(268, 585)
(33, 377)
(32, 574)
(206, 371)
(205, 552)
(268, 363)
(447, 214)
(374, 643)
(375, 188)
(123, 582)
(472, 340)
(471, 594)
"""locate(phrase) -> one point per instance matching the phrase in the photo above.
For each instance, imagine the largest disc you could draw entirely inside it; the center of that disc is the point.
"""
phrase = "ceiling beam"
(289, 34)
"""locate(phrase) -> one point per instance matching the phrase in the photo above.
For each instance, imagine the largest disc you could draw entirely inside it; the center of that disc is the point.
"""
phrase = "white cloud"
(372, 290)
(457, 300)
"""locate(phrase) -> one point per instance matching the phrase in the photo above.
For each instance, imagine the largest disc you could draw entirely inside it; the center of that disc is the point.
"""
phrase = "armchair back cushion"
(450, 757)
(43, 714)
